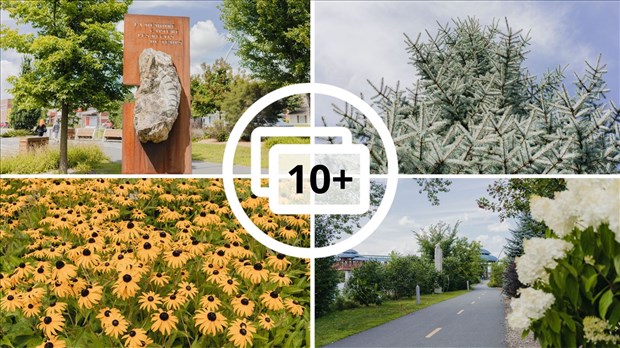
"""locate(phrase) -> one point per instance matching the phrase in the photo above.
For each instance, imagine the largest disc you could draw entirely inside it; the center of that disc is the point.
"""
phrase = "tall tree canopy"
(209, 88)
(476, 109)
(273, 38)
(77, 53)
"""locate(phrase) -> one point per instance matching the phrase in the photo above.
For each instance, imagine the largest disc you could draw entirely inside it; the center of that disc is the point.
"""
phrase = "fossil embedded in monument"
(158, 97)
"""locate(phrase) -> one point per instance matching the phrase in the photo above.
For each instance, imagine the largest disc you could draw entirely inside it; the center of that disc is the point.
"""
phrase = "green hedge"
(81, 158)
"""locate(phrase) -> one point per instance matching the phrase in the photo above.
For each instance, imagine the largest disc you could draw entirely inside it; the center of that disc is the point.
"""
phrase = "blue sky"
(356, 41)
(412, 211)
(208, 37)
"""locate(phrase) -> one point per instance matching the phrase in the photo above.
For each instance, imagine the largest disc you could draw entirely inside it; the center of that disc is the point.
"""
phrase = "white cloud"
(8, 68)
(504, 226)
(205, 40)
(407, 221)
(120, 26)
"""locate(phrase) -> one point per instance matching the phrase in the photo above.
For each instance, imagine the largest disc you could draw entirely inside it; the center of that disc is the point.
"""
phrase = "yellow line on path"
(472, 302)
(461, 311)
(433, 332)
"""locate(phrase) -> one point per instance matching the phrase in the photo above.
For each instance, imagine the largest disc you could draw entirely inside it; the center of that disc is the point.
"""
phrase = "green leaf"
(617, 264)
(605, 302)
(590, 282)
(554, 321)
(572, 289)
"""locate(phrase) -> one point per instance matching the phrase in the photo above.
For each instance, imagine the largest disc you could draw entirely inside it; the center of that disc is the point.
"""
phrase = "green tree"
(403, 273)
(210, 87)
(77, 55)
(366, 283)
(22, 115)
(476, 109)
(273, 38)
(440, 233)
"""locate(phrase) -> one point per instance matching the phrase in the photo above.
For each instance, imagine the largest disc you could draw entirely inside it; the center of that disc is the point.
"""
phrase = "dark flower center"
(163, 316)
(10, 297)
(84, 292)
(132, 333)
(40, 270)
(147, 246)
(273, 294)
(220, 253)
(203, 214)
(173, 297)
(211, 298)
(162, 234)
(30, 306)
(243, 332)
(230, 281)
(115, 322)
(47, 320)
(130, 225)
(91, 240)
(268, 320)
(60, 264)
(126, 278)
(48, 345)
(216, 272)
(245, 302)
(158, 275)
(188, 288)
(86, 252)
(211, 316)
(107, 313)
(258, 267)
(150, 298)
(176, 253)
(280, 256)
(22, 265)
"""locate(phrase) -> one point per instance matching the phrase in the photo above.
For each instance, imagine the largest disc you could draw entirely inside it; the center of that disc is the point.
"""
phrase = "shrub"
(17, 133)
(497, 274)
(511, 280)
(403, 273)
(366, 284)
(574, 272)
(285, 140)
(197, 134)
(219, 131)
(343, 302)
(80, 157)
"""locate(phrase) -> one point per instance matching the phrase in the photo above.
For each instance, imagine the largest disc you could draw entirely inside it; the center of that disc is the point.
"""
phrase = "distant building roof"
(486, 256)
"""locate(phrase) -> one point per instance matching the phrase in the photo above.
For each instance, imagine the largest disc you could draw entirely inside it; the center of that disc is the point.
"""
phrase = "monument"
(156, 127)
(438, 264)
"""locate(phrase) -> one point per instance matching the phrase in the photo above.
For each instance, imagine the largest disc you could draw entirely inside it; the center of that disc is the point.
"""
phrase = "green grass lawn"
(107, 168)
(340, 324)
(205, 152)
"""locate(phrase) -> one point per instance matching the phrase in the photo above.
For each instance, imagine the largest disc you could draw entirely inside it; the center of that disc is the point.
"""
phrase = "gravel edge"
(513, 337)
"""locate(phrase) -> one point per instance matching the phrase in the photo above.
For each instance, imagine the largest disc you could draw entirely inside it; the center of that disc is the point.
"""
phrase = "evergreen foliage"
(526, 228)
(476, 109)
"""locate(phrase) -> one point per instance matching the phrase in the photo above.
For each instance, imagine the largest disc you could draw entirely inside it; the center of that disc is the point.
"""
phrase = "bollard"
(468, 285)
(417, 293)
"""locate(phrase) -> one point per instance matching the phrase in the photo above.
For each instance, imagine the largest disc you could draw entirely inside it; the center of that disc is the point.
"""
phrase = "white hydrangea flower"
(586, 202)
(539, 255)
(531, 306)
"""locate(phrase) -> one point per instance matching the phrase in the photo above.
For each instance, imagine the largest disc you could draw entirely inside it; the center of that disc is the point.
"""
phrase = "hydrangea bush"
(146, 263)
(574, 273)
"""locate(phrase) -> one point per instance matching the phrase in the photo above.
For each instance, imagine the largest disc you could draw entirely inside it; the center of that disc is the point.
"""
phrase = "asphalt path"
(475, 319)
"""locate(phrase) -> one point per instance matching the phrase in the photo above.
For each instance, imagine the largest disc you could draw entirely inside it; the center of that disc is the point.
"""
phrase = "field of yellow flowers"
(146, 262)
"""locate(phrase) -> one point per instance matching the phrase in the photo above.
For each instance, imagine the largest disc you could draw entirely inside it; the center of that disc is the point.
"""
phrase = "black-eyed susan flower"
(272, 300)
(266, 322)
(229, 286)
(257, 273)
(10, 302)
(63, 271)
(42, 272)
(187, 289)
(209, 322)
(279, 278)
(115, 324)
(137, 338)
(210, 303)
(23, 270)
(56, 307)
(164, 322)
(53, 342)
(294, 307)
(126, 284)
(176, 258)
(240, 333)
(149, 301)
(31, 308)
(278, 262)
(160, 279)
(90, 296)
(87, 259)
(242, 306)
(174, 300)
(52, 324)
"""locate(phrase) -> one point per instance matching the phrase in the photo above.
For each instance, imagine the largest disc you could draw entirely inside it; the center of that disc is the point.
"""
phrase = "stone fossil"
(157, 98)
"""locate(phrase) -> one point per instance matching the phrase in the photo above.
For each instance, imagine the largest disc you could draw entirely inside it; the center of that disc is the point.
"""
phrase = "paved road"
(475, 319)
(113, 149)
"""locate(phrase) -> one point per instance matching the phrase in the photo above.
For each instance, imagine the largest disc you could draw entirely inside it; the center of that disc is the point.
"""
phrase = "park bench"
(31, 143)
(84, 133)
(71, 133)
(113, 134)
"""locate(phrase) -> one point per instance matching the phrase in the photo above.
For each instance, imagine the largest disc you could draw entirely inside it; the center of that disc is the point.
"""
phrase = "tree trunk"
(64, 125)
